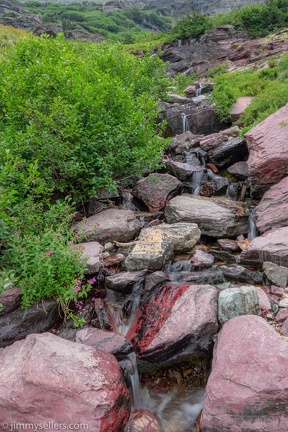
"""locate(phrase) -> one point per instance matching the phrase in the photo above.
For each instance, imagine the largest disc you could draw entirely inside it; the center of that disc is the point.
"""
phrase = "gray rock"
(238, 301)
(92, 251)
(10, 300)
(155, 279)
(239, 170)
(181, 170)
(240, 274)
(124, 281)
(216, 217)
(277, 275)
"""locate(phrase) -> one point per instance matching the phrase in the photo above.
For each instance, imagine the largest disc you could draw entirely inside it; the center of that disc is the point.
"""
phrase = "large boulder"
(272, 247)
(216, 217)
(182, 320)
(156, 189)
(110, 225)
(272, 211)
(46, 378)
(268, 152)
(247, 389)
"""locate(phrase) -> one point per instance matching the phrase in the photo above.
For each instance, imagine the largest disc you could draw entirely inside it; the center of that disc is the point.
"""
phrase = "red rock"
(10, 300)
(248, 386)
(281, 316)
(277, 291)
(182, 320)
(113, 260)
(46, 378)
(143, 421)
(272, 211)
(110, 342)
(268, 152)
(239, 170)
(264, 301)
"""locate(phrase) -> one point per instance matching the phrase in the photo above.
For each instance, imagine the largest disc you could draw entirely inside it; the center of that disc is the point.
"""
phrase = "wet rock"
(272, 247)
(239, 170)
(212, 276)
(110, 225)
(212, 141)
(124, 281)
(105, 319)
(272, 211)
(223, 256)
(216, 217)
(233, 302)
(183, 142)
(181, 170)
(155, 279)
(143, 421)
(184, 235)
(239, 274)
(10, 300)
(277, 275)
(268, 155)
(53, 384)
(190, 91)
(229, 245)
(217, 185)
(239, 107)
(92, 251)
(249, 366)
(19, 323)
(231, 151)
(182, 321)
(153, 250)
(156, 189)
(110, 342)
(201, 260)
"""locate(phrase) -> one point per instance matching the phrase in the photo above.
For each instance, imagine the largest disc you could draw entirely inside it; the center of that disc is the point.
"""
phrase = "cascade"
(199, 90)
(185, 122)
(195, 181)
(252, 229)
(134, 382)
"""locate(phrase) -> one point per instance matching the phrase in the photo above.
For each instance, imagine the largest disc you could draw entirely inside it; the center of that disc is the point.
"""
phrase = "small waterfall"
(195, 182)
(185, 123)
(179, 43)
(199, 90)
(134, 382)
(252, 229)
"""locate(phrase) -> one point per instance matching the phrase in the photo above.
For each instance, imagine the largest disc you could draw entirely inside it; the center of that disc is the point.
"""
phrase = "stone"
(239, 170)
(264, 302)
(182, 322)
(155, 279)
(156, 189)
(239, 107)
(153, 250)
(45, 378)
(124, 281)
(19, 323)
(277, 275)
(107, 341)
(229, 245)
(184, 235)
(143, 421)
(228, 153)
(212, 141)
(181, 170)
(92, 251)
(281, 316)
(240, 274)
(190, 91)
(10, 300)
(216, 217)
(183, 142)
(237, 301)
(272, 211)
(201, 260)
(284, 328)
(272, 247)
(247, 388)
(104, 316)
(268, 152)
(209, 276)
(283, 303)
(113, 260)
(110, 225)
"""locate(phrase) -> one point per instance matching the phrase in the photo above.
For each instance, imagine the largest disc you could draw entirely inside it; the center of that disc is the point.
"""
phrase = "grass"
(9, 36)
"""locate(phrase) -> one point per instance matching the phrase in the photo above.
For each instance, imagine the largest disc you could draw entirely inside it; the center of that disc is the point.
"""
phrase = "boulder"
(229, 152)
(19, 323)
(247, 388)
(124, 281)
(216, 217)
(277, 275)
(239, 170)
(156, 189)
(239, 107)
(182, 321)
(183, 142)
(92, 251)
(237, 301)
(110, 225)
(153, 250)
(201, 260)
(182, 170)
(271, 247)
(46, 378)
(155, 279)
(240, 274)
(110, 342)
(210, 276)
(184, 235)
(268, 152)
(10, 300)
(272, 211)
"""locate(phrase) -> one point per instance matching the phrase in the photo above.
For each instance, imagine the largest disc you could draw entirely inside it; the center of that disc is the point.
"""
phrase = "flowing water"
(195, 181)
(252, 229)
(185, 122)
(199, 90)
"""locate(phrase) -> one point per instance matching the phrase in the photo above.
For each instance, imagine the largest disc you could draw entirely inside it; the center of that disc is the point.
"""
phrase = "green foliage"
(192, 25)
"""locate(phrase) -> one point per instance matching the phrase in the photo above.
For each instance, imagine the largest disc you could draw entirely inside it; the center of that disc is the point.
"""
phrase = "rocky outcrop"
(110, 225)
(216, 217)
(268, 152)
(182, 321)
(46, 378)
(247, 389)
(238, 301)
(271, 247)
(156, 189)
(272, 211)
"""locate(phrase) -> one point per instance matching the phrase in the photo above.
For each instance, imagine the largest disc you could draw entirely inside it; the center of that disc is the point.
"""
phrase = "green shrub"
(192, 25)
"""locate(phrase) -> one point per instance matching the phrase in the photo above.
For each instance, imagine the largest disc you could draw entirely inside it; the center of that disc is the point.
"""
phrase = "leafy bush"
(192, 25)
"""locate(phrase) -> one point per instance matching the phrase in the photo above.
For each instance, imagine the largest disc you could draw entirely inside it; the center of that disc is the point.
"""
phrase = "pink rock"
(177, 320)
(264, 301)
(240, 106)
(284, 328)
(202, 259)
(46, 378)
(10, 300)
(107, 341)
(272, 211)
(143, 421)
(277, 291)
(268, 152)
(247, 389)
(281, 316)
(113, 260)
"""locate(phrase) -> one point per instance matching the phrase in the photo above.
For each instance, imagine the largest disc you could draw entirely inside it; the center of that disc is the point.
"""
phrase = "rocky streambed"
(190, 275)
